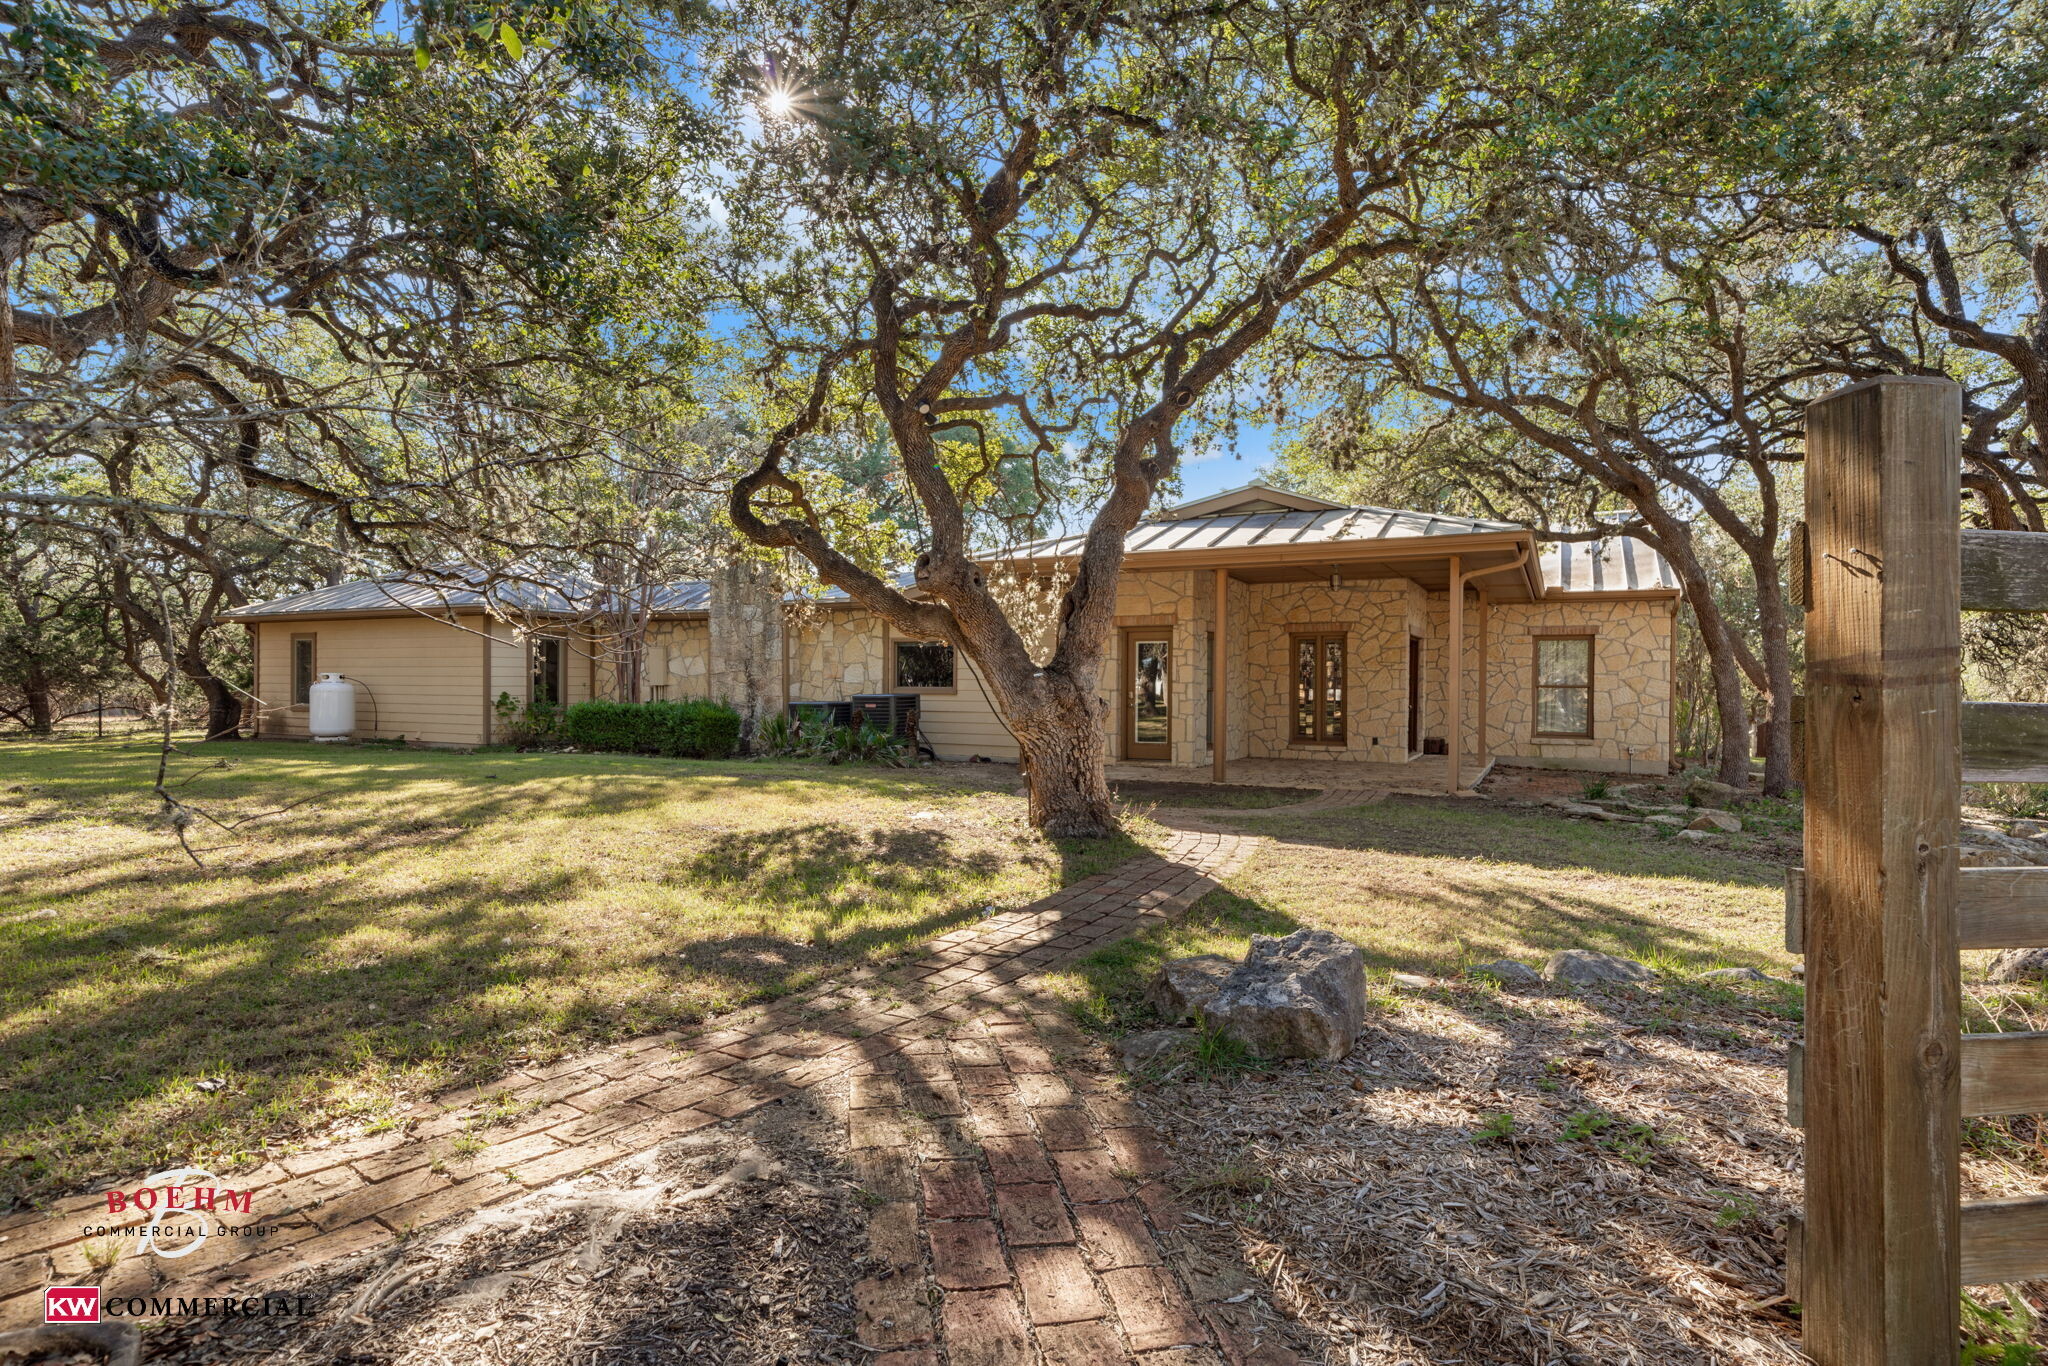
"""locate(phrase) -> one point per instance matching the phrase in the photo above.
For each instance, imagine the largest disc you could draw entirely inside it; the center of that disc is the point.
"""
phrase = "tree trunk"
(1060, 737)
(41, 712)
(223, 708)
(1778, 688)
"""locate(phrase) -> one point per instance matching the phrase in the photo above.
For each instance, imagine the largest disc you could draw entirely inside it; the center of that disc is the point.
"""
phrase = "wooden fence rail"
(1881, 910)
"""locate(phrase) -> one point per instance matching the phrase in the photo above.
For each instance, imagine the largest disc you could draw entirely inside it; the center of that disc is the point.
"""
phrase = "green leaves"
(508, 37)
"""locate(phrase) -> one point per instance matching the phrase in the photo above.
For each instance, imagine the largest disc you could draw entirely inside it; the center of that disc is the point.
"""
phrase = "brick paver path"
(1022, 1208)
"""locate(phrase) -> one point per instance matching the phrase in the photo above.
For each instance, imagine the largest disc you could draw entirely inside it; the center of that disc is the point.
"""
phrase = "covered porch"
(1310, 653)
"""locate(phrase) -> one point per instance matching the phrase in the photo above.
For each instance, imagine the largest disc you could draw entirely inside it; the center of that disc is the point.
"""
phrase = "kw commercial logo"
(185, 1207)
(71, 1304)
(81, 1304)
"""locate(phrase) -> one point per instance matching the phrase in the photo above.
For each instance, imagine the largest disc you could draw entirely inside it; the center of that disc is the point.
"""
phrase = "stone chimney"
(746, 643)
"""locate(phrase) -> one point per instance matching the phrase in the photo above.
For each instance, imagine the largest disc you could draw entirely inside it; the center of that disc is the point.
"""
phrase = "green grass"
(1434, 886)
(427, 918)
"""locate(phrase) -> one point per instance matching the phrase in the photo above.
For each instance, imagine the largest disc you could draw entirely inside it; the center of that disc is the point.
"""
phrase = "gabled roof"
(396, 594)
(1249, 498)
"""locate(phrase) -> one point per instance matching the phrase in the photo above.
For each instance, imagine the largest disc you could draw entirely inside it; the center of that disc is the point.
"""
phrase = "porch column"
(1454, 691)
(1219, 678)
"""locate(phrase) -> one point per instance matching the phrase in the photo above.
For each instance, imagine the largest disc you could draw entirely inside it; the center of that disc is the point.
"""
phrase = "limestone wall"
(1632, 662)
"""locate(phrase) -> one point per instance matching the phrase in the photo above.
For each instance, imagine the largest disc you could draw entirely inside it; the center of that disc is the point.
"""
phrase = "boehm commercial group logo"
(185, 1206)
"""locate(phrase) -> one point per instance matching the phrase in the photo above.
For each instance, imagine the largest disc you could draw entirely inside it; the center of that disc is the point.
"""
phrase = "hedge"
(691, 730)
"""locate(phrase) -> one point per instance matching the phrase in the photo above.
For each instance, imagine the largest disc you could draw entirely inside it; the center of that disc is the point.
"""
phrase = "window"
(922, 666)
(1319, 710)
(303, 661)
(1564, 686)
(547, 673)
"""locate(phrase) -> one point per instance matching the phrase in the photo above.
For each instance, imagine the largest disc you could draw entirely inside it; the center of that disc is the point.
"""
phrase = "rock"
(2028, 830)
(1298, 997)
(1183, 986)
(1584, 967)
(1736, 975)
(1666, 819)
(1590, 811)
(2020, 965)
(1707, 792)
(1507, 972)
(1412, 981)
(1727, 822)
(1700, 837)
(1138, 1050)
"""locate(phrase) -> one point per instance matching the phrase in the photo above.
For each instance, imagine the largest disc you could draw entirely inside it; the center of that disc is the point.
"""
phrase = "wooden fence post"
(1882, 1270)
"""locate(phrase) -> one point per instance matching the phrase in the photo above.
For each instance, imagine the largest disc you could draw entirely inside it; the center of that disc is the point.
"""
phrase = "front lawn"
(1433, 886)
(430, 917)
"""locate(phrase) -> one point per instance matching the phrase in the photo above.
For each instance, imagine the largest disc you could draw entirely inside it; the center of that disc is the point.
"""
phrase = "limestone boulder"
(1298, 997)
(1727, 822)
(1735, 975)
(1708, 792)
(1183, 986)
(1507, 972)
(2020, 965)
(1585, 968)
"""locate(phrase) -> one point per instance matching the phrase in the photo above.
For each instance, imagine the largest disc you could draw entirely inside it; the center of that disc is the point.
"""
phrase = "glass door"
(1147, 713)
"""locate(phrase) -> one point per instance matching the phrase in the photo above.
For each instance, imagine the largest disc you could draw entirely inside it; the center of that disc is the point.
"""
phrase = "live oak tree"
(368, 300)
(1000, 234)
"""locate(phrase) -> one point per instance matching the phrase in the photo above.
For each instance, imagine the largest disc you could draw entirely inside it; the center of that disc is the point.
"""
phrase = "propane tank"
(331, 708)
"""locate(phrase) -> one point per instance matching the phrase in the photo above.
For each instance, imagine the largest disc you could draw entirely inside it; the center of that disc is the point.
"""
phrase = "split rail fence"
(1881, 909)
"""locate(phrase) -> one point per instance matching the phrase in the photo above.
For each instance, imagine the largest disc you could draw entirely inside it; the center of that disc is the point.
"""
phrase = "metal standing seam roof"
(1619, 564)
(385, 595)
(1248, 530)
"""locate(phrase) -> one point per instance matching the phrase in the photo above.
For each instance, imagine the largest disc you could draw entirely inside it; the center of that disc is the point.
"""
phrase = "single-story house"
(1297, 628)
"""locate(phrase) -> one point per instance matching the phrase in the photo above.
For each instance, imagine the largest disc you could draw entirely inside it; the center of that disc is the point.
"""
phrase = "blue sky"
(1225, 469)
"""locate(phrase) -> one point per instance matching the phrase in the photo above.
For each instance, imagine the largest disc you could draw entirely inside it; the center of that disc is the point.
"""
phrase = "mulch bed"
(1400, 1220)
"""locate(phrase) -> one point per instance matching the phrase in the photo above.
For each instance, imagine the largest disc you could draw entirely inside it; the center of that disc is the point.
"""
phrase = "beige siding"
(418, 678)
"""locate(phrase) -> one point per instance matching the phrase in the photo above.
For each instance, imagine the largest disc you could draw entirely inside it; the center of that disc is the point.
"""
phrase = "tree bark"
(41, 713)
(1061, 744)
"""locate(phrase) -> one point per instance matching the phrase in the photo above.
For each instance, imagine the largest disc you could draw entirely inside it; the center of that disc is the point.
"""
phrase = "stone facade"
(837, 651)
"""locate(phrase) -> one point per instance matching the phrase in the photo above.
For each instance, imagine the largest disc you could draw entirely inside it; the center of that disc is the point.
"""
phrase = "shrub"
(527, 727)
(690, 730)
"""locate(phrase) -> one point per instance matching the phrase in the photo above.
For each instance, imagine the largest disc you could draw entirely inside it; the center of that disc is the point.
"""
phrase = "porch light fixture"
(1336, 579)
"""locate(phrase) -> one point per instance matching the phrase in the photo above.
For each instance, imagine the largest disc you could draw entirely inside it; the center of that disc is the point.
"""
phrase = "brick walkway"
(941, 1127)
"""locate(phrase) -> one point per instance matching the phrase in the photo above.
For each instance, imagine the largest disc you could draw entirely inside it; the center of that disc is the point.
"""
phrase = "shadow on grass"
(325, 976)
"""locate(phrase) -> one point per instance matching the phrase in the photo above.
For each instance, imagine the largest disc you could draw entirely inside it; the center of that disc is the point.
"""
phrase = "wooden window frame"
(1537, 685)
(896, 684)
(312, 639)
(1321, 740)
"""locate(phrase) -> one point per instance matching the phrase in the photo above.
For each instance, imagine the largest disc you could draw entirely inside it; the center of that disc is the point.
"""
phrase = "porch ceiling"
(1431, 571)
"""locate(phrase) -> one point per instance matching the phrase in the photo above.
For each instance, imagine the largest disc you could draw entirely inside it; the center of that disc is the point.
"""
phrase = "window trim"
(1537, 685)
(895, 682)
(1321, 739)
(312, 639)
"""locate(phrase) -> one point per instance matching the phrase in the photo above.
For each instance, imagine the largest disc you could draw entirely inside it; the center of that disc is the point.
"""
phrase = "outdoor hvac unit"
(895, 712)
(331, 708)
